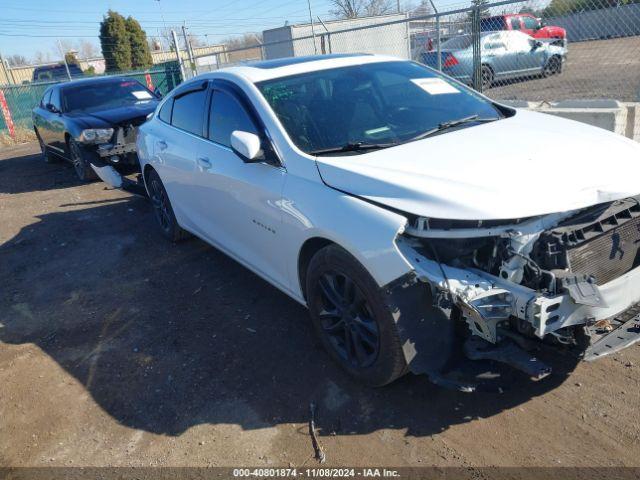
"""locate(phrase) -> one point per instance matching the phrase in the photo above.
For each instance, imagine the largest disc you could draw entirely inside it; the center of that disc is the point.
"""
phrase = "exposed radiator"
(609, 255)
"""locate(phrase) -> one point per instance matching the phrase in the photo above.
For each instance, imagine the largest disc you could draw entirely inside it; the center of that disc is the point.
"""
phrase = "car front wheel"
(80, 161)
(163, 210)
(552, 67)
(351, 317)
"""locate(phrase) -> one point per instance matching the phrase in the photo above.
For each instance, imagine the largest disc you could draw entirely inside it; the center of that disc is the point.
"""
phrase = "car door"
(533, 59)
(505, 59)
(41, 117)
(176, 146)
(239, 202)
(55, 122)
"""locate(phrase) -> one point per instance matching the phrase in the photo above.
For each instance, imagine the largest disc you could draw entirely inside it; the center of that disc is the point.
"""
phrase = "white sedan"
(406, 211)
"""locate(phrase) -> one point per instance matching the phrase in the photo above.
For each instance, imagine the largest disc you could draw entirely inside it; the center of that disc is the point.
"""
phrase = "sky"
(31, 26)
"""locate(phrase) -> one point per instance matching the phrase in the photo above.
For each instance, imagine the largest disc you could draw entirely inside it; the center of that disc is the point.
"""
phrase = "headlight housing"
(96, 135)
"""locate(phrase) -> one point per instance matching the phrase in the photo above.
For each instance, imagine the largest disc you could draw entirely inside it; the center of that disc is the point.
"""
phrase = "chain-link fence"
(522, 50)
(17, 101)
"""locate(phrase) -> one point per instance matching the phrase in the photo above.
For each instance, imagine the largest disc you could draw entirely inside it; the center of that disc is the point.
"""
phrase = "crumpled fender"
(426, 331)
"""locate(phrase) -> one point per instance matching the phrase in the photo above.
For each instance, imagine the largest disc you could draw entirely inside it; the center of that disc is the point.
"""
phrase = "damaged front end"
(117, 157)
(568, 279)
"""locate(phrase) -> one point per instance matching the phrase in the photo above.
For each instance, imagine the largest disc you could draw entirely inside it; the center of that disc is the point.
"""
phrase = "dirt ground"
(118, 348)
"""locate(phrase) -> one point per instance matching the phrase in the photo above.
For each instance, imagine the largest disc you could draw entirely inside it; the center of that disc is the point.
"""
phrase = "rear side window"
(226, 116)
(492, 23)
(515, 23)
(188, 112)
(165, 111)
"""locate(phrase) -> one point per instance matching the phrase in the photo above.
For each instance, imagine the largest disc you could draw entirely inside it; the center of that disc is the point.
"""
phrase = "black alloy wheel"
(347, 320)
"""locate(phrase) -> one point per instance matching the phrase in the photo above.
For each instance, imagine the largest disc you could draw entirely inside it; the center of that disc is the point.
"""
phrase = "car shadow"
(28, 172)
(167, 336)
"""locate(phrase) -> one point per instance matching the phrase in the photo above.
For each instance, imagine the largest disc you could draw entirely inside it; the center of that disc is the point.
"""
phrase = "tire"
(79, 159)
(47, 156)
(552, 67)
(351, 317)
(163, 210)
(487, 77)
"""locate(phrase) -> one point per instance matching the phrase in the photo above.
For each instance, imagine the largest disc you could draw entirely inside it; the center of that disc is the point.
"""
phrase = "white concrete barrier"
(618, 117)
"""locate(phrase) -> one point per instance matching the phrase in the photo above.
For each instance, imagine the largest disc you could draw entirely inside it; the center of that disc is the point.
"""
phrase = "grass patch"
(23, 135)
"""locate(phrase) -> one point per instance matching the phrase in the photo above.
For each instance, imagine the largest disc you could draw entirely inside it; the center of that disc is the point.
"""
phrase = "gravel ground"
(118, 348)
(598, 69)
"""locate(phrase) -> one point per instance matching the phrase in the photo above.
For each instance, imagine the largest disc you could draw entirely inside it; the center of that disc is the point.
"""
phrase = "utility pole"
(177, 50)
(64, 59)
(187, 44)
(313, 31)
(398, 5)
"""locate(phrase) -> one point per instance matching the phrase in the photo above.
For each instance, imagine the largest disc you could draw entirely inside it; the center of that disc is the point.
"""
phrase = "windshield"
(382, 103)
(103, 95)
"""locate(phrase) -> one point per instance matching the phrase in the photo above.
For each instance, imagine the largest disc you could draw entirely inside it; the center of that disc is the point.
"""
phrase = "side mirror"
(157, 92)
(247, 145)
(51, 107)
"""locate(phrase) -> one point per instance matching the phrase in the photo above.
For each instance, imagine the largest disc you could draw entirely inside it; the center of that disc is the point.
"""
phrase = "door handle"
(204, 162)
(162, 145)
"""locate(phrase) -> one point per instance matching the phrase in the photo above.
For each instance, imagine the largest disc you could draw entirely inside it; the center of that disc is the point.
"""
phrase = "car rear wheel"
(47, 156)
(552, 67)
(487, 77)
(163, 210)
(350, 315)
(81, 163)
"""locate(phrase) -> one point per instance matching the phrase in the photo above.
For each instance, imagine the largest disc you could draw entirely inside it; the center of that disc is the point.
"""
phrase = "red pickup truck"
(527, 23)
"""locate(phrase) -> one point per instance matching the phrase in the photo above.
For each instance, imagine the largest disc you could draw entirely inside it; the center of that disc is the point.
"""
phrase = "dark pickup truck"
(93, 123)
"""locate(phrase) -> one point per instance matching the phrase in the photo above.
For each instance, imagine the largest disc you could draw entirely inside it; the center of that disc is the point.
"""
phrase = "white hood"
(526, 165)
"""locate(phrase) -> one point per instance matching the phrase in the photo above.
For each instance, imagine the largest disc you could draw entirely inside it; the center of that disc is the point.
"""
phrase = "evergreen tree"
(140, 54)
(115, 42)
(484, 10)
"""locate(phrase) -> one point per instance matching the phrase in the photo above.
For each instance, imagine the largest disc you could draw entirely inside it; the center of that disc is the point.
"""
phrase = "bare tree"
(16, 60)
(422, 9)
(247, 40)
(361, 8)
(87, 49)
(42, 57)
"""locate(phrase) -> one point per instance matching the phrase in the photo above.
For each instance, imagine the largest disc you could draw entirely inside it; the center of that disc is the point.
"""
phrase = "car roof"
(95, 80)
(271, 69)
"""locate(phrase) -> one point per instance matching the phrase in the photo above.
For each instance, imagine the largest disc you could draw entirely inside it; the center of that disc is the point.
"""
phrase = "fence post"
(177, 50)
(438, 47)
(475, 38)
(187, 45)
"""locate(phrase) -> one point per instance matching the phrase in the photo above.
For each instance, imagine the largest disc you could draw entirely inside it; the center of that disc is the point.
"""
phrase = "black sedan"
(93, 124)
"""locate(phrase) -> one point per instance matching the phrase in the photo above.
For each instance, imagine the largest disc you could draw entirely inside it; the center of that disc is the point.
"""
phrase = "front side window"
(376, 103)
(530, 23)
(515, 23)
(55, 99)
(226, 116)
(102, 95)
(46, 99)
(188, 112)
